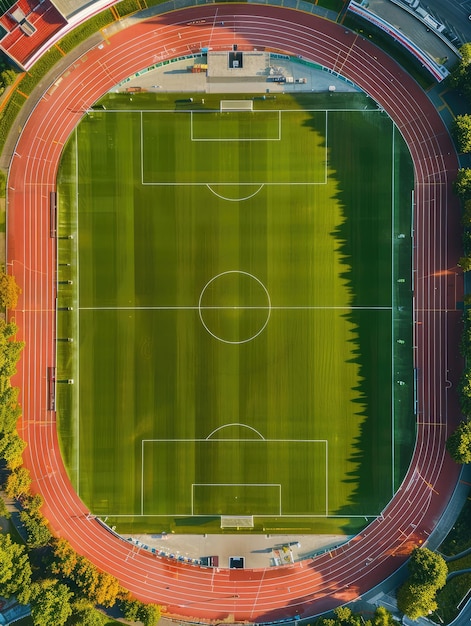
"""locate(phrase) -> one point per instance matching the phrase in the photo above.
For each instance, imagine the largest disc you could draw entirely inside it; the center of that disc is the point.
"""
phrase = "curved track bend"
(312, 586)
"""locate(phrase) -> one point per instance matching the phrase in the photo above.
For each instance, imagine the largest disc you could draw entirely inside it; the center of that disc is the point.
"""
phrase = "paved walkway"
(257, 550)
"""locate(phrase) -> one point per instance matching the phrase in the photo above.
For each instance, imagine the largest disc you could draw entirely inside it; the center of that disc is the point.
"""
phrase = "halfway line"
(219, 308)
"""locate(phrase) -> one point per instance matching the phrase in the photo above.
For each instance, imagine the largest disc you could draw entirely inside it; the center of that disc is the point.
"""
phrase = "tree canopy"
(11, 449)
(17, 483)
(38, 533)
(462, 183)
(428, 572)
(98, 586)
(459, 443)
(460, 77)
(461, 130)
(9, 291)
(344, 616)
(15, 570)
(50, 603)
(416, 600)
(427, 568)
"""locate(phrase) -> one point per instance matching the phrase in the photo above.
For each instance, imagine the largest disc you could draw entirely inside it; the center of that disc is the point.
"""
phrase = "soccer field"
(239, 299)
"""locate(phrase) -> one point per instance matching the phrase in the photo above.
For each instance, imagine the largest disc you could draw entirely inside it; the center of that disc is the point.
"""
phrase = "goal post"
(237, 521)
(226, 106)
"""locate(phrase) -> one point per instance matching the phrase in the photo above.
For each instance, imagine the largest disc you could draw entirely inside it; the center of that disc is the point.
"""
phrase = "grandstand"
(70, 8)
(25, 26)
(29, 27)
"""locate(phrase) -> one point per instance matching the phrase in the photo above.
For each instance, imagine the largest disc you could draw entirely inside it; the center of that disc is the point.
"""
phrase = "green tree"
(32, 502)
(10, 410)
(428, 572)
(11, 449)
(149, 614)
(460, 77)
(459, 443)
(85, 614)
(461, 130)
(17, 483)
(50, 603)
(99, 587)
(462, 183)
(4, 512)
(38, 534)
(15, 570)
(7, 77)
(345, 616)
(383, 617)
(466, 216)
(416, 600)
(9, 291)
(64, 559)
(130, 609)
(427, 568)
(465, 263)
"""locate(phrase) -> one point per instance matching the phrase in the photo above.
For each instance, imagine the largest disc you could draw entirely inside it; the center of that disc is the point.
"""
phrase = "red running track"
(312, 586)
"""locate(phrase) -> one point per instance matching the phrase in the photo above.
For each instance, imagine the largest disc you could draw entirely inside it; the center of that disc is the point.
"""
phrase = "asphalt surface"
(407, 21)
(454, 14)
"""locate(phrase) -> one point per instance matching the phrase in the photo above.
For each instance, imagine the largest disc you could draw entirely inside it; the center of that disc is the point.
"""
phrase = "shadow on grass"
(374, 245)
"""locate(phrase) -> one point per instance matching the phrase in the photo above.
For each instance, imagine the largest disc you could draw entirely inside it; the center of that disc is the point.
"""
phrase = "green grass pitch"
(240, 296)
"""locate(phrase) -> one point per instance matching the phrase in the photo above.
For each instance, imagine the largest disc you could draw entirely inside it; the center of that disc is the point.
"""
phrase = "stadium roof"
(68, 8)
(5, 5)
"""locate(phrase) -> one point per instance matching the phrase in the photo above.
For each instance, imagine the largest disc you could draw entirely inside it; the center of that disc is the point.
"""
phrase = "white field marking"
(142, 476)
(393, 388)
(327, 478)
(193, 485)
(326, 149)
(228, 184)
(210, 184)
(229, 439)
(218, 195)
(267, 307)
(259, 441)
(234, 139)
(371, 516)
(235, 424)
(221, 308)
(77, 360)
(142, 150)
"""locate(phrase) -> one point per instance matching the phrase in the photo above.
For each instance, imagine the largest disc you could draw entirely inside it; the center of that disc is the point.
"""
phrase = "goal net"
(235, 105)
(239, 521)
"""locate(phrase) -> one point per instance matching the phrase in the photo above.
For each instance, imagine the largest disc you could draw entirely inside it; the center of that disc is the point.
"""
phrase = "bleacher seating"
(24, 37)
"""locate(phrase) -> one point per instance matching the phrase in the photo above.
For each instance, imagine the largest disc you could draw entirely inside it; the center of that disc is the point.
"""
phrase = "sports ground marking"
(268, 306)
(237, 139)
(393, 383)
(271, 307)
(219, 485)
(210, 184)
(235, 424)
(218, 195)
(263, 440)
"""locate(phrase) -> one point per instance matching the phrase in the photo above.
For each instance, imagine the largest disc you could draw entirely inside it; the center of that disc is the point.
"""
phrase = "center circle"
(234, 307)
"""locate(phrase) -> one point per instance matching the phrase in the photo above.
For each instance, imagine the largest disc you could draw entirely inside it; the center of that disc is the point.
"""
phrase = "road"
(453, 14)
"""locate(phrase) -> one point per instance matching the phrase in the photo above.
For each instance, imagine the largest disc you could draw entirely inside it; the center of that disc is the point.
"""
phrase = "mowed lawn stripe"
(158, 368)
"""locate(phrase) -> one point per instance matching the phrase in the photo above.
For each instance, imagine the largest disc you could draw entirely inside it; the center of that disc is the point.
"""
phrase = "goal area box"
(226, 106)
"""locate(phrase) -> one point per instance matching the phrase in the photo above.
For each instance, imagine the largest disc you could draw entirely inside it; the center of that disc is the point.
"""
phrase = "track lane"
(310, 586)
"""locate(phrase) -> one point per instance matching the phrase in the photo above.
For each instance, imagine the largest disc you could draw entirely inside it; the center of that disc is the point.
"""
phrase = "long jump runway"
(311, 586)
